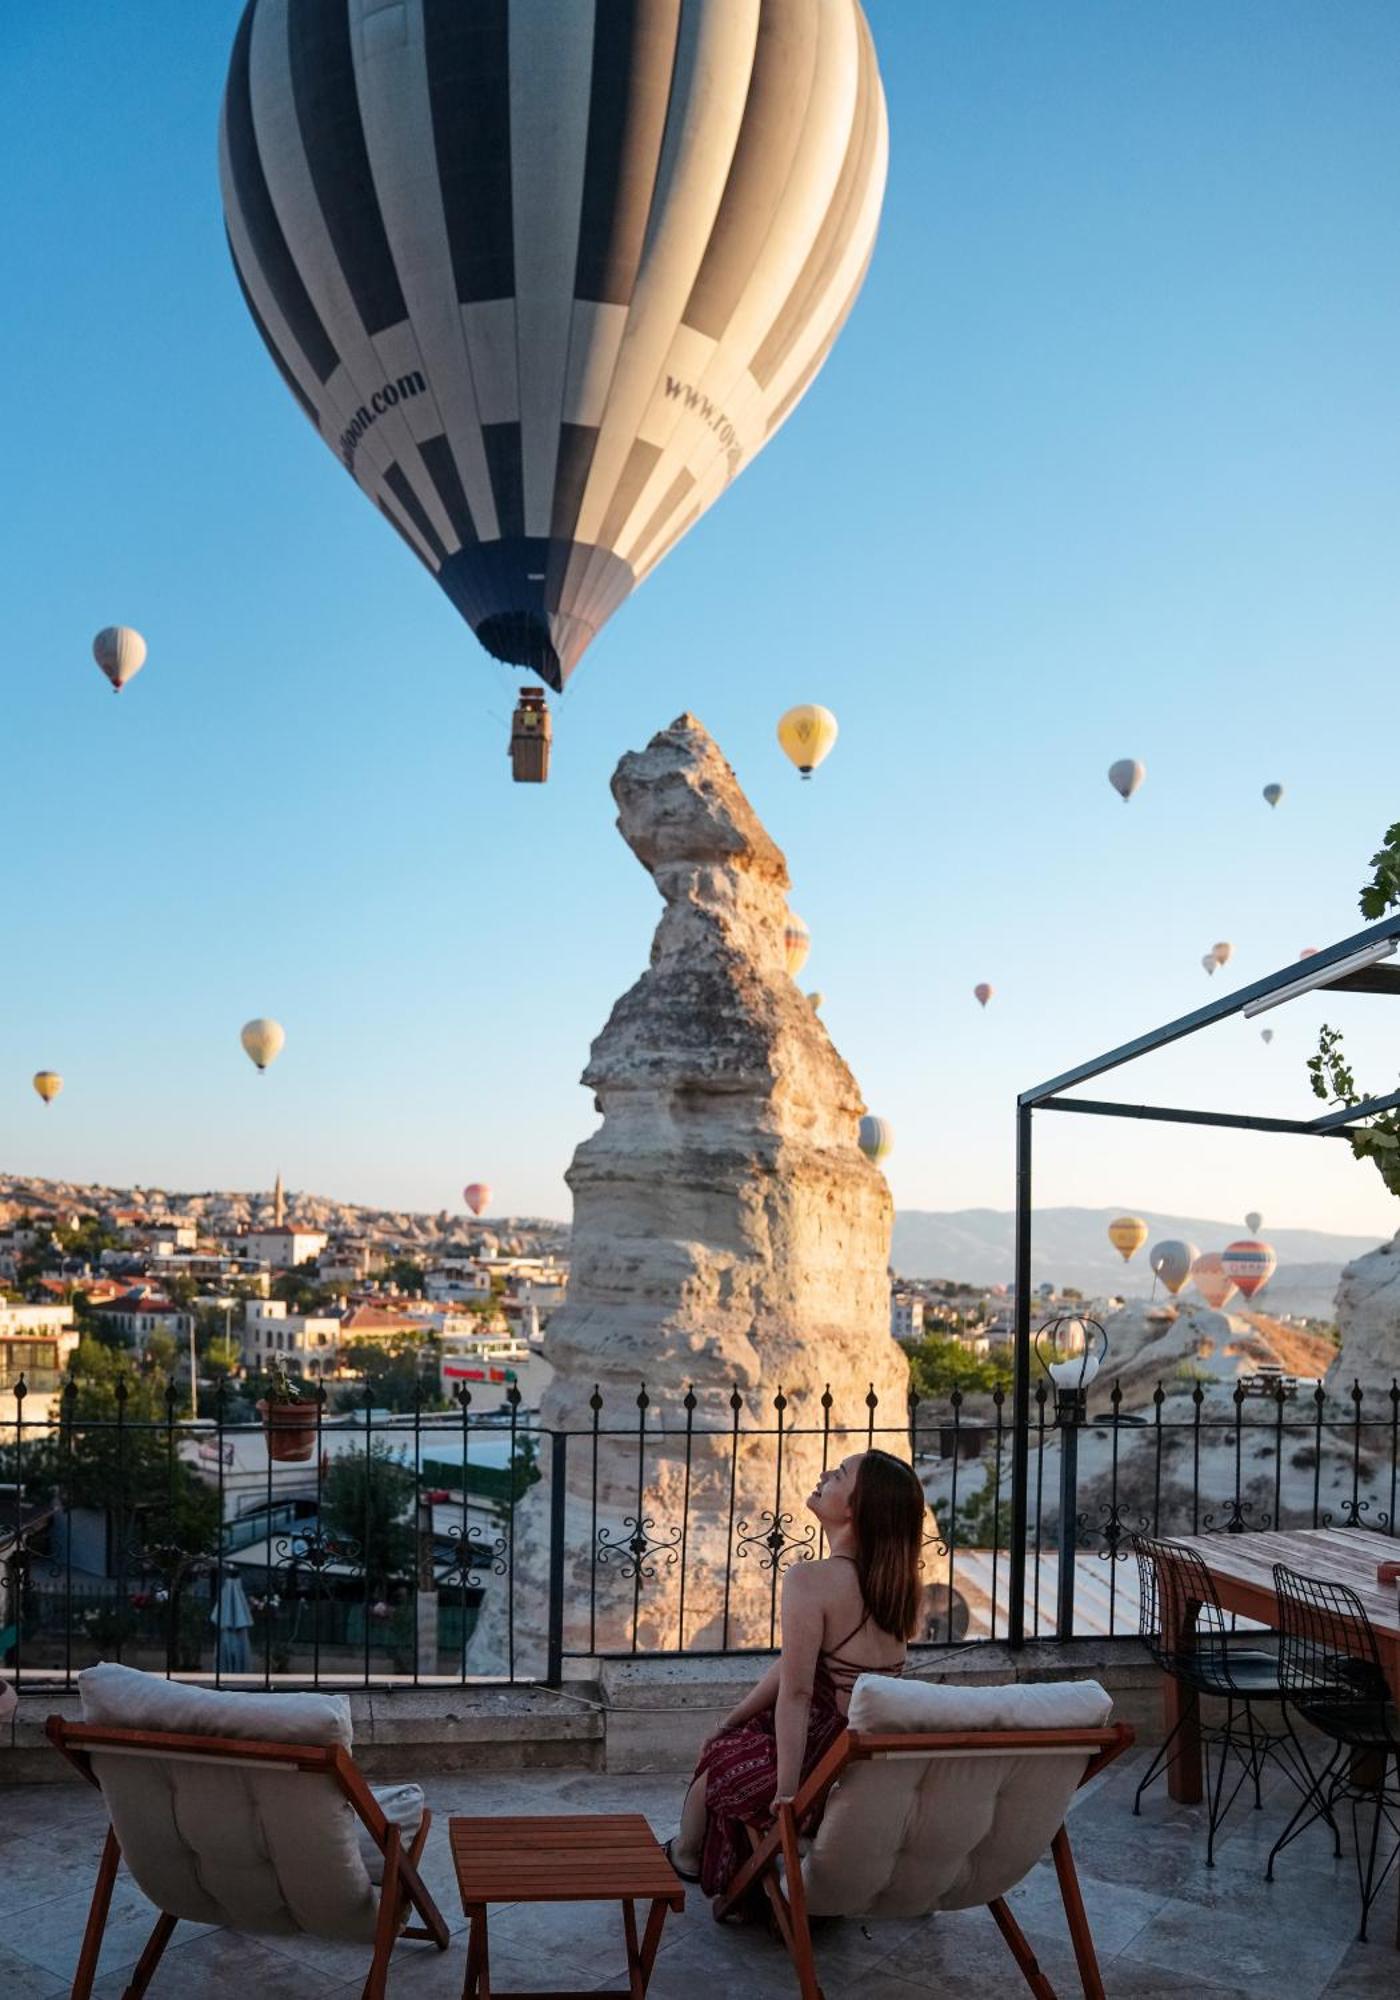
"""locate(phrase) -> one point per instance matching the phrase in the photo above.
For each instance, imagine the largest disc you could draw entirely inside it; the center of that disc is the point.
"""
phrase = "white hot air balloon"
(1254, 1222)
(1125, 776)
(1209, 963)
(121, 654)
(547, 275)
(1266, 1035)
(262, 1041)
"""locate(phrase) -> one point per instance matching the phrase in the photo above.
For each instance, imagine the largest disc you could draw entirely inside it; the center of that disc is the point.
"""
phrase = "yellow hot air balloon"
(263, 1041)
(808, 735)
(797, 943)
(1127, 1234)
(48, 1083)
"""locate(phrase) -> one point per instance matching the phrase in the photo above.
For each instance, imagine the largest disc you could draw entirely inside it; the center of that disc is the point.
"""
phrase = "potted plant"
(289, 1412)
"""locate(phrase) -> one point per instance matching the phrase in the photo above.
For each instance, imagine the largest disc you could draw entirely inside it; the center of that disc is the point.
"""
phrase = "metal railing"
(442, 1545)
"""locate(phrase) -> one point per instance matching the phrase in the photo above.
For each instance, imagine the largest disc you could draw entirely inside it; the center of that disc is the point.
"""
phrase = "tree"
(406, 1274)
(366, 1498)
(303, 1290)
(1378, 1139)
(398, 1375)
(938, 1366)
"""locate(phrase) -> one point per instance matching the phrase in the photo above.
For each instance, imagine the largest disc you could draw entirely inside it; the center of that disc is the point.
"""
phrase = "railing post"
(1021, 1401)
(558, 1496)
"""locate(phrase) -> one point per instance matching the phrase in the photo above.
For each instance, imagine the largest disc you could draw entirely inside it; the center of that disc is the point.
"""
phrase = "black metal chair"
(1184, 1628)
(1331, 1671)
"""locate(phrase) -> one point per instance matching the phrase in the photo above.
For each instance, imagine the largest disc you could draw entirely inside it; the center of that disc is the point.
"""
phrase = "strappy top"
(843, 1674)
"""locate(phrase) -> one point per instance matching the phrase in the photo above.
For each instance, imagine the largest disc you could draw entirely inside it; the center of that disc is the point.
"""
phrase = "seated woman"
(849, 1615)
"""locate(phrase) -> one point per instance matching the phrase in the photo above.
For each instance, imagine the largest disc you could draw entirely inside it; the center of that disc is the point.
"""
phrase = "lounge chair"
(937, 1798)
(245, 1810)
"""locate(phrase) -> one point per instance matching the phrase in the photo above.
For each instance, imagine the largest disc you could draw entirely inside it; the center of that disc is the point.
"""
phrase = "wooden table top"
(572, 1858)
(1332, 1555)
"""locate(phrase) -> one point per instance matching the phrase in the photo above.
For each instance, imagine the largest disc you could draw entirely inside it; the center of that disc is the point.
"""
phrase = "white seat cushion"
(903, 1836)
(262, 1849)
(402, 1806)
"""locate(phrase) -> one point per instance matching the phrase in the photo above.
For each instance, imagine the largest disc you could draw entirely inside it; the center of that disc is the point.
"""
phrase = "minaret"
(279, 1204)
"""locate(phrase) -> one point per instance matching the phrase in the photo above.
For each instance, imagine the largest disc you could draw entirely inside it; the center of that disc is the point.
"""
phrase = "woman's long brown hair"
(887, 1512)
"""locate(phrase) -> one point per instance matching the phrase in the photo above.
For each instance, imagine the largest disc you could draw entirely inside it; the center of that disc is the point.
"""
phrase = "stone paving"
(1165, 1924)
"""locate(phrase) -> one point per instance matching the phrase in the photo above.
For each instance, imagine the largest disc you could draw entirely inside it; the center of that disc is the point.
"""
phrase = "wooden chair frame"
(401, 1891)
(779, 1841)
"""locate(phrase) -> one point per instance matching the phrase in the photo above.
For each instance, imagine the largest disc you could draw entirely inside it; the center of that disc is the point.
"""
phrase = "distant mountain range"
(1070, 1246)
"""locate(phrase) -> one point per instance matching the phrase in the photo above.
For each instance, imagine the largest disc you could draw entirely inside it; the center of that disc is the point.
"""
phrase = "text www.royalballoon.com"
(383, 399)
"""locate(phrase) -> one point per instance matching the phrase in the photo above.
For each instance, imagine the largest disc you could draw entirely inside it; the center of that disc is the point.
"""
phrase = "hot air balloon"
(876, 1137)
(1127, 1234)
(983, 993)
(808, 735)
(1222, 953)
(797, 943)
(1254, 1222)
(1209, 962)
(1266, 1035)
(1308, 951)
(262, 1041)
(815, 1000)
(1273, 793)
(1125, 776)
(547, 275)
(121, 654)
(477, 1196)
(48, 1083)
(1172, 1261)
(1250, 1264)
(1212, 1281)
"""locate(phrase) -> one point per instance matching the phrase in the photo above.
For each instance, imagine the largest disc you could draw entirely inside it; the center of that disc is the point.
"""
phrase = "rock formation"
(1368, 1320)
(728, 1236)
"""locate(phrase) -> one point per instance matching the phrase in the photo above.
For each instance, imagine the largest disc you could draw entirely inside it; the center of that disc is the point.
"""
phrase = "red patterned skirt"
(740, 1769)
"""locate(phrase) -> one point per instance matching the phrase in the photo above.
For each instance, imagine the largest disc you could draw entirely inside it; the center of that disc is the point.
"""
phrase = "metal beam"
(1170, 1114)
(1216, 1010)
(1336, 1122)
(1021, 1391)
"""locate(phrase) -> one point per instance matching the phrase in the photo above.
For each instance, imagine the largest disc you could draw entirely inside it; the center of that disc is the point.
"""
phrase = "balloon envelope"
(808, 735)
(1250, 1264)
(1212, 1280)
(1209, 962)
(1273, 793)
(983, 993)
(1222, 953)
(876, 1137)
(815, 1000)
(797, 944)
(1254, 1222)
(1127, 1234)
(477, 1196)
(1266, 1035)
(1172, 1261)
(263, 1041)
(48, 1083)
(120, 652)
(546, 275)
(1125, 776)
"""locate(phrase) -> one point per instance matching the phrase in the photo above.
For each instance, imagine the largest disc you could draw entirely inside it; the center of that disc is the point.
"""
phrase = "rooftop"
(1164, 1924)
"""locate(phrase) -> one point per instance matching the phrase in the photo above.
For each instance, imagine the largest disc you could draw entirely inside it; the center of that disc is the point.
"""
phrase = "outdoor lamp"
(1071, 1349)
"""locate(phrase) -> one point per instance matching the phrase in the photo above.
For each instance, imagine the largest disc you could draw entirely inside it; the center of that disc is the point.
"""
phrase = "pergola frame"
(1051, 1097)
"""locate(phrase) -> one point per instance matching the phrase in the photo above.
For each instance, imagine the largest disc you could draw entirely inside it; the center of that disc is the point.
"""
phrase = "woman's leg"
(690, 1841)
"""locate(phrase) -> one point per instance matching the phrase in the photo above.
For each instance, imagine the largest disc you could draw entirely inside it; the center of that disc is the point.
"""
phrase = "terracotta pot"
(290, 1429)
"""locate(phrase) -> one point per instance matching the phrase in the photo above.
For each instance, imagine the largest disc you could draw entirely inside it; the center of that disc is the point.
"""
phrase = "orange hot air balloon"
(1127, 1234)
(1250, 1263)
(797, 944)
(983, 993)
(477, 1196)
(1212, 1280)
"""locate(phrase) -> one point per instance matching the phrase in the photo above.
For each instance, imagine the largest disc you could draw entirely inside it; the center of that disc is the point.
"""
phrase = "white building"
(136, 1315)
(304, 1343)
(489, 1364)
(284, 1246)
(906, 1316)
(36, 1342)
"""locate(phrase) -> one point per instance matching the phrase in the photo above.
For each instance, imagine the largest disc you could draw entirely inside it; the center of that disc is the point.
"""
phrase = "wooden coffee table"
(579, 1858)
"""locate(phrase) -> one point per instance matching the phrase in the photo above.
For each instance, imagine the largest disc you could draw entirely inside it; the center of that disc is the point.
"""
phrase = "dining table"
(1242, 1570)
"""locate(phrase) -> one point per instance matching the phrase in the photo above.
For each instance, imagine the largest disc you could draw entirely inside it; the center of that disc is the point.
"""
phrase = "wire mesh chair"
(1330, 1667)
(1184, 1628)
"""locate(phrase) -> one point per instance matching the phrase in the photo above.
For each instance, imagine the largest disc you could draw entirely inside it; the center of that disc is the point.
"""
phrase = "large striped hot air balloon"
(1251, 1264)
(546, 275)
(1127, 1234)
(1212, 1280)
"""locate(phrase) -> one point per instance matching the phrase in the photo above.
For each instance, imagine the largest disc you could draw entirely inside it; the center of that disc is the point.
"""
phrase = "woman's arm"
(802, 1638)
(757, 1701)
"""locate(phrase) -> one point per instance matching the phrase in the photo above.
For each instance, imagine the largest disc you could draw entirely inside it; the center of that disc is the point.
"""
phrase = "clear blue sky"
(1105, 464)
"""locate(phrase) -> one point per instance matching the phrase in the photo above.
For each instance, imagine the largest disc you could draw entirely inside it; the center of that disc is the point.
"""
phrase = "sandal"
(675, 1865)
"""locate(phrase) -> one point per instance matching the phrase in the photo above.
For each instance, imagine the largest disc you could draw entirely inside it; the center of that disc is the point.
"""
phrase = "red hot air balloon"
(1212, 1281)
(983, 993)
(1250, 1263)
(477, 1196)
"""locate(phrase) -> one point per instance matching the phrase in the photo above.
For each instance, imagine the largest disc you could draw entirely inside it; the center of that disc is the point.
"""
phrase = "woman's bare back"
(852, 1643)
